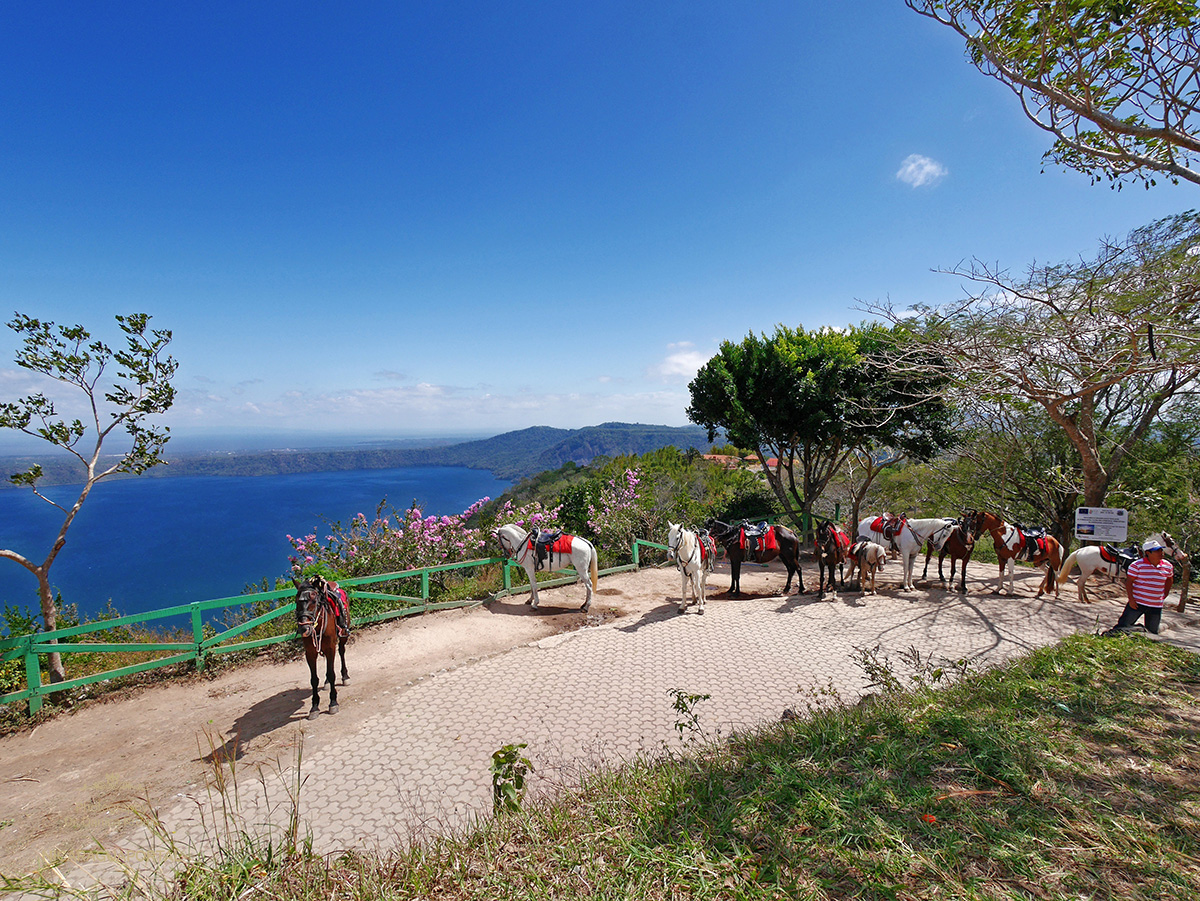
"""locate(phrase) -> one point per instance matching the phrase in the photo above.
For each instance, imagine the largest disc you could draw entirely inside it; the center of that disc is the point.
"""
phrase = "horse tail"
(1066, 568)
(594, 567)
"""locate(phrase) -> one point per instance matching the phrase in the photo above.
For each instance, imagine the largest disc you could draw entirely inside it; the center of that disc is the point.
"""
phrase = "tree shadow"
(262, 717)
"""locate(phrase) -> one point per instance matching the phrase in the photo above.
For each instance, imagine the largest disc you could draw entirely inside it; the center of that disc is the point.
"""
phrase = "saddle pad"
(562, 544)
(877, 525)
(843, 539)
(770, 543)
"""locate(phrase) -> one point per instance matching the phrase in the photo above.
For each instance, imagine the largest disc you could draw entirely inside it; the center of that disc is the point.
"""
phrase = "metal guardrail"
(31, 647)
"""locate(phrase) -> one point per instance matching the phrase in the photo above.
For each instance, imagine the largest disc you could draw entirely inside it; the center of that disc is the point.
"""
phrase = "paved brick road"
(602, 694)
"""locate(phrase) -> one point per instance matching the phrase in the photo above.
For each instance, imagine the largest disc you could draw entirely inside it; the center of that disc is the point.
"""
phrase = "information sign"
(1101, 524)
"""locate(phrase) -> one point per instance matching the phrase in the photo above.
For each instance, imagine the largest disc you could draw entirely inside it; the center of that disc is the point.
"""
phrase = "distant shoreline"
(511, 456)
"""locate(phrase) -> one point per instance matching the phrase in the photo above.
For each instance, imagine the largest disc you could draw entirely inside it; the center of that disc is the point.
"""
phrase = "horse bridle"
(310, 623)
(674, 550)
(514, 554)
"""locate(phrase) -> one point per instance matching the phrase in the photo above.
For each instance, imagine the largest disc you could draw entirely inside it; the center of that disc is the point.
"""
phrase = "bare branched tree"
(1116, 82)
(1101, 346)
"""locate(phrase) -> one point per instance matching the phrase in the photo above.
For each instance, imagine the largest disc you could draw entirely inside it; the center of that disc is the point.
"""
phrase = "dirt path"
(79, 777)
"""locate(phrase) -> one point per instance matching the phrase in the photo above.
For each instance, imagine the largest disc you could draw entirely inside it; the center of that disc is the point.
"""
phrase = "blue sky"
(463, 218)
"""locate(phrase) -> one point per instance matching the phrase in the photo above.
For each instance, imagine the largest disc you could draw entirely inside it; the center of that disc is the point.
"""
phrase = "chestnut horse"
(316, 623)
(956, 539)
(1010, 543)
(787, 550)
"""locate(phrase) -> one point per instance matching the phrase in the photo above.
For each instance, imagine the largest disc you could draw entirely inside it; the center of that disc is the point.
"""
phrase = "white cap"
(1152, 544)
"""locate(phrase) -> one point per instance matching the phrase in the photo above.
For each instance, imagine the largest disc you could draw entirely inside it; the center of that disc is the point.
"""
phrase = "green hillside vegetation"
(512, 455)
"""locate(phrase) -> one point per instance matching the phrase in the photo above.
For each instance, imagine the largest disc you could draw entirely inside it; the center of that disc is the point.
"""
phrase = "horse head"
(308, 601)
(674, 536)
(509, 537)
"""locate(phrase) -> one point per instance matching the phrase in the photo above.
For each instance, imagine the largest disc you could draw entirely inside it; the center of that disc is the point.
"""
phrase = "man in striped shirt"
(1147, 584)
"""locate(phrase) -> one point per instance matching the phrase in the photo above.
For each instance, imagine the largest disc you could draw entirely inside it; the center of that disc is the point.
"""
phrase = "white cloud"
(920, 171)
(680, 365)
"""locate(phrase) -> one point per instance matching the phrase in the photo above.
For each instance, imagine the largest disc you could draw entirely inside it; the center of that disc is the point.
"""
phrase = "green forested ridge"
(512, 455)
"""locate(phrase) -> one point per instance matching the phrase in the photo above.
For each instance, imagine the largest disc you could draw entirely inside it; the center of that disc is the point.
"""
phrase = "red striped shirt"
(1149, 581)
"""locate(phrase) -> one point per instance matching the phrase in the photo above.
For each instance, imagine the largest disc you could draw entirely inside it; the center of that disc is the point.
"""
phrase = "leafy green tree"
(140, 389)
(1113, 80)
(1101, 346)
(807, 401)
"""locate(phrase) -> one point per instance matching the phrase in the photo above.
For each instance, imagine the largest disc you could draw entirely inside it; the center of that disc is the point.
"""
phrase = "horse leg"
(735, 575)
(928, 554)
(941, 557)
(701, 578)
(316, 683)
(342, 655)
(533, 598)
(581, 576)
(330, 680)
(683, 590)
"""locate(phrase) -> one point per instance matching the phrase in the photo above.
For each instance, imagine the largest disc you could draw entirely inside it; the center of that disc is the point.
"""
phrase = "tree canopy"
(805, 400)
(140, 389)
(1115, 81)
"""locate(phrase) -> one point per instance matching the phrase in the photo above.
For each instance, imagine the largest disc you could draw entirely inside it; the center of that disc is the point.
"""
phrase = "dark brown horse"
(1012, 542)
(830, 547)
(316, 624)
(780, 542)
(957, 542)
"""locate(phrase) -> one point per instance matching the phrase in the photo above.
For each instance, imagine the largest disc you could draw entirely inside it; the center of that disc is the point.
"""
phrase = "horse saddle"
(889, 525)
(758, 538)
(1121, 556)
(1033, 541)
(546, 542)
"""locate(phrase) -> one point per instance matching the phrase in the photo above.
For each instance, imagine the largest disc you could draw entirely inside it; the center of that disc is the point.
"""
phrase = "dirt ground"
(81, 776)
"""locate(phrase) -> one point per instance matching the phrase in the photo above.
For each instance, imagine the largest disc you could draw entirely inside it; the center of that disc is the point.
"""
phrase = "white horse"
(1090, 562)
(868, 558)
(908, 541)
(694, 555)
(515, 543)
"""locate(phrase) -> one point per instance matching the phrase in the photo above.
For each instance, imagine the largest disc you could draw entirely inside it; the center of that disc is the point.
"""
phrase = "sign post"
(1101, 524)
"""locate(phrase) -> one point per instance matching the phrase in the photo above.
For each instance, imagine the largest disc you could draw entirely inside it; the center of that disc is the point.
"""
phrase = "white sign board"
(1101, 524)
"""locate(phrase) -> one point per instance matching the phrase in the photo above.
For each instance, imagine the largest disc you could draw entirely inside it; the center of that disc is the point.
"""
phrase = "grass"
(1071, 773)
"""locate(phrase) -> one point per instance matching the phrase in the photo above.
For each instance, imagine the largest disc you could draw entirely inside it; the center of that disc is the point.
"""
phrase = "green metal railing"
(32, 647)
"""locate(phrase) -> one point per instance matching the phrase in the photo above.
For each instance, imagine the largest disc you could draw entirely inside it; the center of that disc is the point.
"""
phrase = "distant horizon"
(218, 440)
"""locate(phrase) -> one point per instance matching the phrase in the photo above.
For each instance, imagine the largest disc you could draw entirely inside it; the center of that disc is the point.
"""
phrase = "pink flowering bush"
(390, 543)
(622, 512)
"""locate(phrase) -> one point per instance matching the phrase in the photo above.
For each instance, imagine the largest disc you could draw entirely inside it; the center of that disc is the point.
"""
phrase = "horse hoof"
(585, 607)
(312, 714)
(701, 611)
(333, 709)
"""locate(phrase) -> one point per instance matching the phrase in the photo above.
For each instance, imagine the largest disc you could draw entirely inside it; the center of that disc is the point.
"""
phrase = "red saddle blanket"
(767, 542)
(562, 545)
(843, 539)
(889, 528)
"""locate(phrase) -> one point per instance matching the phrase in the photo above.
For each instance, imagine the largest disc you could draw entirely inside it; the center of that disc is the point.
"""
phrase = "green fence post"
(636, 556)
(33, 676)
(198, 635)
(425, 586)
(837, 512)
(507, 578)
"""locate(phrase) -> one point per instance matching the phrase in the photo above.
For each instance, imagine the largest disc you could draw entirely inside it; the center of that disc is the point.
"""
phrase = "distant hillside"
(513, 455)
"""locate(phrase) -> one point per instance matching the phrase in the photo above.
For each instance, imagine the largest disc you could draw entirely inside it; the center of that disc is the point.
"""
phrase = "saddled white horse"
(694, 555)
(514, 543)
(1090, 561)
(908, 541)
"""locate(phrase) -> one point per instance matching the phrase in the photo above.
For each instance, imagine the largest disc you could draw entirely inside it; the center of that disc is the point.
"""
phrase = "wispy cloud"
(680, 364)
(921, 171)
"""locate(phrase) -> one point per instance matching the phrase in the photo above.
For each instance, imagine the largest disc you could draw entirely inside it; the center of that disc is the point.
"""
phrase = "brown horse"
(1011, 542)
(957, 542)
(787, 549)
(830, 546)
(316, 624)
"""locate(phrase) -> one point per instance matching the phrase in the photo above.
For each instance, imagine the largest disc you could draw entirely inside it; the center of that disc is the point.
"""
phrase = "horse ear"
(297, 584)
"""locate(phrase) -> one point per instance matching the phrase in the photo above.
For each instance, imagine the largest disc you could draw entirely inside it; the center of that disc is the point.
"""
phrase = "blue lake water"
(150, 543)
